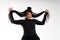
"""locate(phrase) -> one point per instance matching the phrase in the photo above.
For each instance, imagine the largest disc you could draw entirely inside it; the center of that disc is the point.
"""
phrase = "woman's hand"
(10, 9)
(46, 10)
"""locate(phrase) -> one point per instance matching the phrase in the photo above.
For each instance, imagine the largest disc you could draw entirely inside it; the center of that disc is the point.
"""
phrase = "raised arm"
(37, 15)
(14, 21)
(43, 21)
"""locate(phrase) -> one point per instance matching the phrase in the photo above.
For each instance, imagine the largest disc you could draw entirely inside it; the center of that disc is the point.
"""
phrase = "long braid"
(47, 16)
(22, 14)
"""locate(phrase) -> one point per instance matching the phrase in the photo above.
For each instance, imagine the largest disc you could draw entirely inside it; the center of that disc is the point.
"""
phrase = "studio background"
(49, 31)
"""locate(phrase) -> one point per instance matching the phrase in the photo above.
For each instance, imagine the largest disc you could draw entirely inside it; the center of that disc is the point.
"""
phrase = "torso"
(29, 30)
(29, 27)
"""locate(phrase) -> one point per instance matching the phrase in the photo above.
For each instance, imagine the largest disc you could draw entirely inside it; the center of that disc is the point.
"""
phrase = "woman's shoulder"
(34, 19)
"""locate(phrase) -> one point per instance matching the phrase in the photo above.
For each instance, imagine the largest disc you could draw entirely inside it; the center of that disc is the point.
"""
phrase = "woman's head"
(28, 15)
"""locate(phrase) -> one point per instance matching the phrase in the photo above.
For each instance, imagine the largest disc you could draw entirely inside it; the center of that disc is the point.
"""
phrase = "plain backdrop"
(49, 31)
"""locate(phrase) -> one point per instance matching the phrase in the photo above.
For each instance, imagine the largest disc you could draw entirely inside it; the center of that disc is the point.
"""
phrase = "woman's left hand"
(46, 10)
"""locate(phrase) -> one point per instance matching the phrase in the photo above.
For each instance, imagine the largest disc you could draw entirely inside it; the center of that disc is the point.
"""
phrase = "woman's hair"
(47, 16)
(29, 9)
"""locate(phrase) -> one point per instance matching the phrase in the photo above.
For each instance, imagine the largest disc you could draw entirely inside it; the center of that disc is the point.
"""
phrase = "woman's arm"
(39, 14)
(43, 21)
(12, 19)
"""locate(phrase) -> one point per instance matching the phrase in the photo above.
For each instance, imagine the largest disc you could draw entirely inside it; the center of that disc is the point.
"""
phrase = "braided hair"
(29, 9)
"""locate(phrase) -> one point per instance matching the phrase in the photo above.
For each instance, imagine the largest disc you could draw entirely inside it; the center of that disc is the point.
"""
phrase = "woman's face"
(28, 15)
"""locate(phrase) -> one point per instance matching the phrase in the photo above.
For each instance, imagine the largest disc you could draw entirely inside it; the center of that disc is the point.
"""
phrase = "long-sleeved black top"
(28, 24)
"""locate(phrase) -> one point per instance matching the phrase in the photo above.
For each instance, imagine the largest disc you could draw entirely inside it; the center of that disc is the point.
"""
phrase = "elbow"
(13, 22)
(43, 24)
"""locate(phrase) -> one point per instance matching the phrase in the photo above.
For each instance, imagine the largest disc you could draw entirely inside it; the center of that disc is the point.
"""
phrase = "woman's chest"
(28, 23)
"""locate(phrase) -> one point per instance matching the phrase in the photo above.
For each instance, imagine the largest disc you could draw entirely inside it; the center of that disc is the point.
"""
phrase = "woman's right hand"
(10, 9)
(47, 11)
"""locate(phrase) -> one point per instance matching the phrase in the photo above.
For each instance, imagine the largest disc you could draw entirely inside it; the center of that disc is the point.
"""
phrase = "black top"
(28, 24)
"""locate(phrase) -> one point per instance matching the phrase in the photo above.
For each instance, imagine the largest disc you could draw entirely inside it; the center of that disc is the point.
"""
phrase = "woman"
(28, 24)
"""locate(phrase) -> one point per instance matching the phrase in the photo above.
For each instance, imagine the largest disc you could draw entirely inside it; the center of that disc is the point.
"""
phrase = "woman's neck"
(28, 18)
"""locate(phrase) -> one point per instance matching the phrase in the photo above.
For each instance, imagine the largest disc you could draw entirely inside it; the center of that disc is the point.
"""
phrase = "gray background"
(49, 31)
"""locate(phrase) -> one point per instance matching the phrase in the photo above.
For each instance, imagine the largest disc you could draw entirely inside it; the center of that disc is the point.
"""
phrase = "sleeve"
(37, 15)
(41, 22)
(14, 21)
